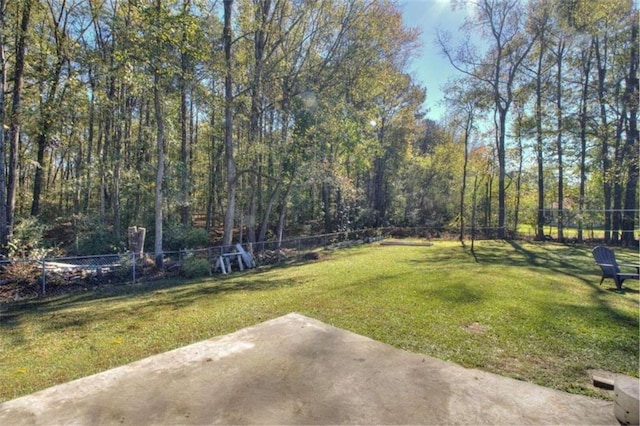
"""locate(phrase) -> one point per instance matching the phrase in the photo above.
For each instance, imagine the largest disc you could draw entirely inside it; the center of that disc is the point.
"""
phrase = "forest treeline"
(240, 120)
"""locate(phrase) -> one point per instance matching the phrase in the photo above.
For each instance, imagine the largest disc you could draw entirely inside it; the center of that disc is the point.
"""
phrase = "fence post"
(133, 256)
(44, 277)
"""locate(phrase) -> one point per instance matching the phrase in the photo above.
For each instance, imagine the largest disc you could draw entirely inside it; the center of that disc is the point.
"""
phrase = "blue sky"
(431, 69)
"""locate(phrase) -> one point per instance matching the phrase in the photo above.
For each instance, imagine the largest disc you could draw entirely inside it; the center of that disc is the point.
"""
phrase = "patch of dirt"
(476, 328)
(22, 284)
(13, 292)
(311, 256)
(406, 243)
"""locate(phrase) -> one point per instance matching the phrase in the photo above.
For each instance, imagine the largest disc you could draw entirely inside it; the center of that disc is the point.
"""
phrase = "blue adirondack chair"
(606, 260)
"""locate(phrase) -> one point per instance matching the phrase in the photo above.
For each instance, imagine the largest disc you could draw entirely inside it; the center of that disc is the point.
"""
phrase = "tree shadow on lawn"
(561, 258)
(572, 261)
(461, 294)
(569, 324)
(170, 294)
(576, 262)
(568, 339)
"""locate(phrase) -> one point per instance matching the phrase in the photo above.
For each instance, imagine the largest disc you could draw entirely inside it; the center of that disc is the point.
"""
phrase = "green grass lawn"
(534, 312)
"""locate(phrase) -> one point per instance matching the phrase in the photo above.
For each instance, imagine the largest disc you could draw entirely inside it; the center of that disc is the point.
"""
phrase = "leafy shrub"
(124, 271)
(100, 241)
(193, 267)
(94, 237)
(28, 240)
(178, 237)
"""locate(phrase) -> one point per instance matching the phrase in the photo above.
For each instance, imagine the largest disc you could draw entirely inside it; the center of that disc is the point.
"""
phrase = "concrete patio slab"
(297, 370)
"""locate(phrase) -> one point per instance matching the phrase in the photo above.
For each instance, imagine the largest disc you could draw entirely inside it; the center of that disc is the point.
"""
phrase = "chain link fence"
(25, 278)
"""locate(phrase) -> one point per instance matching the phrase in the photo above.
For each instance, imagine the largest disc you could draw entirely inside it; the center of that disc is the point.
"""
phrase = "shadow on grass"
(461, 293)
(556, 260)
(151, 296)
(569, 338)
(563, 260)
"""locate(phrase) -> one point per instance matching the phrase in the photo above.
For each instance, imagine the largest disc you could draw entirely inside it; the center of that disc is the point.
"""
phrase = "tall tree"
(3, 175)
(502, 21)
(540, 13)
(602, 52)
(263, 33)
(586, 61)
(158, 16)
(50, 88)
(229, 214)
(631, 96)
(16, 113)
(186, 76)
(160, 140)
(559, 52)
(465, 103)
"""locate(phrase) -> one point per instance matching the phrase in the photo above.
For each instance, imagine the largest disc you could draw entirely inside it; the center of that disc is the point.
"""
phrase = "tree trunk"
(3, 175)
(90, 141)
(185, 184)
(379, 196)
(117, 159)
(37, 179)
(584, 102)
(283, 212)
(159, 169)
(262, 11)
(488, 213)
(228, 130)
(540, 146)
(616, 217)
(559, 125)
(16, 117)
(502, 174)
(251, 210)
(631, 98)
(213, 176)
(326, 206)
(467, 131)
(604, 138)
(78, 171)
(184, 158)
(267, 213)
(43, 141)
(619, 156)
(516, 215)
(473, 212)
(144, 122)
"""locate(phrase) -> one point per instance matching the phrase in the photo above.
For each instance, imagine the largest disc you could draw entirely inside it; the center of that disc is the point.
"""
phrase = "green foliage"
(178, 237)
(28, 239)
(96, 238)
(195, 267)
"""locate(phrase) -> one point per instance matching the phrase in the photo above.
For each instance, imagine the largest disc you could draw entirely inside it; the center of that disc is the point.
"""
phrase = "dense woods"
(248, 120)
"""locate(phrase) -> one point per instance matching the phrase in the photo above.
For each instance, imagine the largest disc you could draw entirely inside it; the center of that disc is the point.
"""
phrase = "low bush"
(28, 240)
(96, 238)
(194, 267)
(179, 237)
